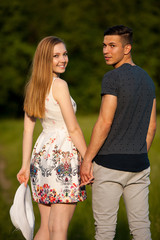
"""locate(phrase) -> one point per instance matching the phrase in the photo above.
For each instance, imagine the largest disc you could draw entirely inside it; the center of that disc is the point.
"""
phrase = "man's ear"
(127, 49)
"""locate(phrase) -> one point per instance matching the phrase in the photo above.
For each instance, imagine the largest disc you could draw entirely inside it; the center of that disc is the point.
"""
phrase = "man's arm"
(99, 134)
(152, 126)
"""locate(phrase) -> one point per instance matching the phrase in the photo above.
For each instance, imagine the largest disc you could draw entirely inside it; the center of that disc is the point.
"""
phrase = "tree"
(81, 25)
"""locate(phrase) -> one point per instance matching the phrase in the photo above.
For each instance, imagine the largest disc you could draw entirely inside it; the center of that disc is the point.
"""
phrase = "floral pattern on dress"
(47, 195)
(58, 164)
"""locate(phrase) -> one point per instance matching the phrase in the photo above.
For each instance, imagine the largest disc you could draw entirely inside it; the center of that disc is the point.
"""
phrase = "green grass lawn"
(82, 224)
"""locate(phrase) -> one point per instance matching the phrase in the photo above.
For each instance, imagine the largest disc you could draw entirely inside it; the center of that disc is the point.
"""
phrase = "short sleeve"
(109, 84)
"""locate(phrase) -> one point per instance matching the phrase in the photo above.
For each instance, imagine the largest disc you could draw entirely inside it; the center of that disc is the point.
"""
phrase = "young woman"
(55, 160)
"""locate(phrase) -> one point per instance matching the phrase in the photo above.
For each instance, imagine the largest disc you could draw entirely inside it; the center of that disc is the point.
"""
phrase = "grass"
(82, 224)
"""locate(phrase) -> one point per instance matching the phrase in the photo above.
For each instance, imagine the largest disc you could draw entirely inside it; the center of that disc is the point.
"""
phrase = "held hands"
(86, 173)
(23, 176)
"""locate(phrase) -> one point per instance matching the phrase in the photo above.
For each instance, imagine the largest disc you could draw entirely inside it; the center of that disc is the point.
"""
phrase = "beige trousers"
(109, 185)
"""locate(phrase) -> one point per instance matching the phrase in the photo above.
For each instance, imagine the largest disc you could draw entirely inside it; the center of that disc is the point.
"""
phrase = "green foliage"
(81, 25)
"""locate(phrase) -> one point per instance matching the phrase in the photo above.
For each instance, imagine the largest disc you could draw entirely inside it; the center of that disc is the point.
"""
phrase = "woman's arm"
(62, 96)
(23, 174)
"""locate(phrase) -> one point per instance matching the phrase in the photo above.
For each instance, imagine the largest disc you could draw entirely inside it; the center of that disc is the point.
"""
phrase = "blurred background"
(81, 25)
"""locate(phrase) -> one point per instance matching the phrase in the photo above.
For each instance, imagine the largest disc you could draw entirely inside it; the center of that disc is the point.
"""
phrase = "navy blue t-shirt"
(125, 147)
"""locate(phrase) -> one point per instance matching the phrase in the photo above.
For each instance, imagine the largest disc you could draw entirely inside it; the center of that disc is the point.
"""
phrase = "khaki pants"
(107, 189)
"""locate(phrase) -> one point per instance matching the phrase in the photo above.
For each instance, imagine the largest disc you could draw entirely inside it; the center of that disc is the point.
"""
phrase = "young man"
(120, 141)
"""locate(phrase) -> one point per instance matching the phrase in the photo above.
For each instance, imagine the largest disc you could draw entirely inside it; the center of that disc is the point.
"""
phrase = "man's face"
(113, 50)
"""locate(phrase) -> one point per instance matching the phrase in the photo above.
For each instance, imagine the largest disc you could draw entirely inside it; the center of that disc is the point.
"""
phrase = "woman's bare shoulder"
(60, 89)
(60, 83)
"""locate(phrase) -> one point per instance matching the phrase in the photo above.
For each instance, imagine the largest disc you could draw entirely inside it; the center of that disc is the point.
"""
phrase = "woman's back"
(53, 116)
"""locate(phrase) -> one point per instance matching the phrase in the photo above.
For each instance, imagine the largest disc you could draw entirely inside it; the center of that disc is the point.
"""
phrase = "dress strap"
(54, 78)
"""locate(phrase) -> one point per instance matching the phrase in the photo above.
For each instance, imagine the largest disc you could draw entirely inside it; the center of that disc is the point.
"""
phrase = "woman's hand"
(23, 176)
(86, 173)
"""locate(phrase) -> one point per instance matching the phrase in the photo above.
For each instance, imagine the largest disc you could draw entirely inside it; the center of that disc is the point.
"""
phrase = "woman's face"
(60, 59)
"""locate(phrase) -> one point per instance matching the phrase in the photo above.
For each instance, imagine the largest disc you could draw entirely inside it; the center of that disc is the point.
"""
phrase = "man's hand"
(86, 172)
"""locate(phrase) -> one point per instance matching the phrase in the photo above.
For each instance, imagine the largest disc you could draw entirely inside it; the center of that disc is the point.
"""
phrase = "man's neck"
(128, 60)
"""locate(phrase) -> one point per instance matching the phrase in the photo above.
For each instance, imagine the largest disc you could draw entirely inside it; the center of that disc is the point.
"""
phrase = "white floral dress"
(55, 161)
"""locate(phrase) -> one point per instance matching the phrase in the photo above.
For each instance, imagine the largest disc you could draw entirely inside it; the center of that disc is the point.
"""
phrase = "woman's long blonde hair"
(41, 77)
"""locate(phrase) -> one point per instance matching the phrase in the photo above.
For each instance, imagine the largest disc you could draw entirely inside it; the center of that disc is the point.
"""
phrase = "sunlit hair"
(41, 77)
(125, 32)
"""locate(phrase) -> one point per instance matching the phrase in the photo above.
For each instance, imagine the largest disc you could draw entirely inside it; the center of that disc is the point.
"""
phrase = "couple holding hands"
(115, 162)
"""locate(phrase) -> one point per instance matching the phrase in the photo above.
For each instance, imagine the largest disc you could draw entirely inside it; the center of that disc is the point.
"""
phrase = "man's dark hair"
(125, 32)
